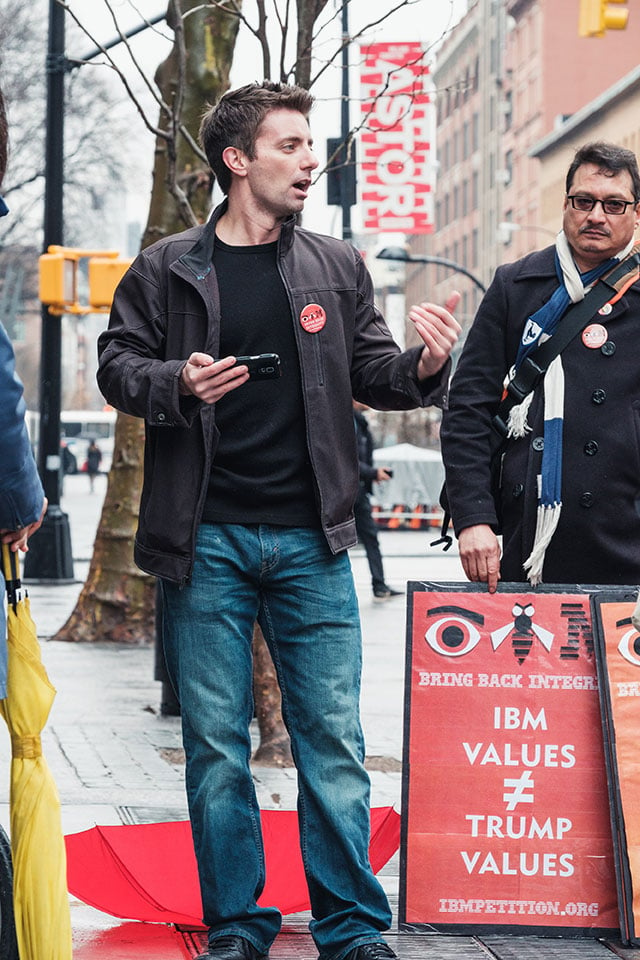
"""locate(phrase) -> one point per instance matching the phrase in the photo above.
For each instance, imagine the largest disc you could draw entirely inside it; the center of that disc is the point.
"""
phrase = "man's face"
(279, 177)
(595, 236)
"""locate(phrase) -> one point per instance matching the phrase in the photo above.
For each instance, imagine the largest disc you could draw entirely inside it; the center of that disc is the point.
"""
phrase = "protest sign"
(505, 804)
(619, 678)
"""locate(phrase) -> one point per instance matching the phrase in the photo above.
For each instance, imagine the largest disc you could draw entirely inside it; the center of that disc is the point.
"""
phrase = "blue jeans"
(305, 601)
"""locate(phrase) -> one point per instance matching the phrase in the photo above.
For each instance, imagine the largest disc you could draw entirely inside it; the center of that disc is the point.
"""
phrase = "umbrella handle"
(11, 570)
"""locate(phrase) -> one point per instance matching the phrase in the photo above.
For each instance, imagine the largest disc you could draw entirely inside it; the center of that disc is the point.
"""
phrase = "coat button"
(586, 500)
(517, 490)
(608, 348)
(598, 396)
(538, 443)
(161, 418)
(591, 448)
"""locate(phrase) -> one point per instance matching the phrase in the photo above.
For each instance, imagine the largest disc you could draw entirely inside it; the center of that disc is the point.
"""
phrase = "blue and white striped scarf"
(537, 329)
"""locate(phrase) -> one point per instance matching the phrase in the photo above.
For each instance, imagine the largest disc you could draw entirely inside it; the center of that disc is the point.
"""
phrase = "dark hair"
(235, 120)
(4, 138)
(610, 158)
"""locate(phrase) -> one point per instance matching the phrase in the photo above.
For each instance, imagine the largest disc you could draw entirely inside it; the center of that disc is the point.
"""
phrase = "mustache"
(598, 230)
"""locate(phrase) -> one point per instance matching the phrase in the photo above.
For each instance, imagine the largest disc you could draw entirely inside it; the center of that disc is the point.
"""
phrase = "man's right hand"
(480, 555)
(209, 379)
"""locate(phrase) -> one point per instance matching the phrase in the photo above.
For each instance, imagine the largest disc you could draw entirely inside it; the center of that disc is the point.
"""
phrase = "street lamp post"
(507, 228)
(50, 557)
(400, 255)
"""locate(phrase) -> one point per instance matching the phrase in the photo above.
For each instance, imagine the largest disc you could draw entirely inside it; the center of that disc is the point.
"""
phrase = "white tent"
(418, 475)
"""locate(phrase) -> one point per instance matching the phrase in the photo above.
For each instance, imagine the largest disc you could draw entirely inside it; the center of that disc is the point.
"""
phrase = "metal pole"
(345, 199)
(50, 557)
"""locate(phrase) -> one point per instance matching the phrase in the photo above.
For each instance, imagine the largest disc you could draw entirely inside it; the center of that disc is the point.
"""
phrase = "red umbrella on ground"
(148, 871)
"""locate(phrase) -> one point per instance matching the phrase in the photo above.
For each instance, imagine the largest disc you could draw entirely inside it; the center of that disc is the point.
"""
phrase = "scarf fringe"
(546, 523)
(517, 422)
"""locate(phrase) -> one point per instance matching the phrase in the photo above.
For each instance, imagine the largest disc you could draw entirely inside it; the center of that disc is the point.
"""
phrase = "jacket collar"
(199, 257)
(538, 264)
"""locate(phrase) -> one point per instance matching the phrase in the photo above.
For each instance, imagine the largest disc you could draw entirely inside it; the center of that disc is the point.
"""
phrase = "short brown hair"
(235, 120)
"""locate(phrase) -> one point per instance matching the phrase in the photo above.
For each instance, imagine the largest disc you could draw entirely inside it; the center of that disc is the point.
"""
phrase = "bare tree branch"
(117, 70)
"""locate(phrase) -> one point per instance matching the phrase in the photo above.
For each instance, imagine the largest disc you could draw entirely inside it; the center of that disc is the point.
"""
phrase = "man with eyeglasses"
(569, 484)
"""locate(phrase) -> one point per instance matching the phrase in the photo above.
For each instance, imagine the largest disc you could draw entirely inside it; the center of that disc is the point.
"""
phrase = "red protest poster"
(619, 671)
(505, 805)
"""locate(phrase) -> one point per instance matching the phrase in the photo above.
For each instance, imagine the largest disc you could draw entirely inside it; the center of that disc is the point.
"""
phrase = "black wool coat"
(598, 536)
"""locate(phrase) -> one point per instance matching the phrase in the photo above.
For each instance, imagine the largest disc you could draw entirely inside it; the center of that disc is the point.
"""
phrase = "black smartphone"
(265, 366)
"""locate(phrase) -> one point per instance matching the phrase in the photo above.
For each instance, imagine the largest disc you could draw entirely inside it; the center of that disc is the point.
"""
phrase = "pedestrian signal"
(598, 16)
(58, 278)
(58, 273)
(105, 273)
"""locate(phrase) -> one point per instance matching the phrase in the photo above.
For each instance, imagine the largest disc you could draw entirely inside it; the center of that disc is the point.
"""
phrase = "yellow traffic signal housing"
(58, 279)
(58, 287)
(105, 274)
(598, 16)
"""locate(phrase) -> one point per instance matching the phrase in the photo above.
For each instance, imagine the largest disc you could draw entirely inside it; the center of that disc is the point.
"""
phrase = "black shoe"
(385, 593)
(234, 948)
(372, 951)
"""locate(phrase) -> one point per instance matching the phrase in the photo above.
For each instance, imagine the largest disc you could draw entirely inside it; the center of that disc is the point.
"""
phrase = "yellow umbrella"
(41, 903)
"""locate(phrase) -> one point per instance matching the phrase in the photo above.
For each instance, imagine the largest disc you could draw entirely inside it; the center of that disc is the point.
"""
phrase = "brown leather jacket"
(166, 307)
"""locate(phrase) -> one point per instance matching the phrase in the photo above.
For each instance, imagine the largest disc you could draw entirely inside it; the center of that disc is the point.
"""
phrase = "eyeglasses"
(611, 205)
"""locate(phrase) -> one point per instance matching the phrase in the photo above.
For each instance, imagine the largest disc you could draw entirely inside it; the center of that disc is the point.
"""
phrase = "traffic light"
(340, 165)
(105, 273)
(58, 279)
(598, 16)
(58, 286)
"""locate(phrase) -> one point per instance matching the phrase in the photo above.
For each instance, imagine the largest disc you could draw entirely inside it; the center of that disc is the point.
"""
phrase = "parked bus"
(77, 429)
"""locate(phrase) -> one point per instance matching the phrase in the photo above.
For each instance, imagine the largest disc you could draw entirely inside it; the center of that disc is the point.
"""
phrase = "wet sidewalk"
(116, 760)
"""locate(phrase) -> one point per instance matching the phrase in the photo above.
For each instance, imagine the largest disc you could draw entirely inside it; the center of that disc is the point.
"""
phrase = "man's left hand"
(439, 331)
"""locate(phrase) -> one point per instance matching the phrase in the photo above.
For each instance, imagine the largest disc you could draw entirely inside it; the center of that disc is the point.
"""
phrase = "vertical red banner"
(396, 171)
(620, 687)
(505, 813)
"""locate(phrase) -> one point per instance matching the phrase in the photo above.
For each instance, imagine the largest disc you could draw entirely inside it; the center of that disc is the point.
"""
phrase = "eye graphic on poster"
(455, 633)
(629, 645)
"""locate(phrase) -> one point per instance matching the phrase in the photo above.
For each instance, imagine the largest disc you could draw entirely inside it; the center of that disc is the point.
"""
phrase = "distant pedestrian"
(94, 459)
(365, 524)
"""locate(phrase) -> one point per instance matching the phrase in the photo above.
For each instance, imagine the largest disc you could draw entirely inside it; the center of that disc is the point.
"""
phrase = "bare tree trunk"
(117, 600)
(275, 748)
(308, 13)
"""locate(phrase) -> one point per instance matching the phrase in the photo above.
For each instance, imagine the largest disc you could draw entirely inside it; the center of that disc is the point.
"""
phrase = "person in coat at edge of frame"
(365, 524)
(247, 507)
(589, 530)
(22, 500)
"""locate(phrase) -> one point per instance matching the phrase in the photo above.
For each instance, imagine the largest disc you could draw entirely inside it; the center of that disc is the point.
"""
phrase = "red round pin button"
(312, 318)
(594, 335)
